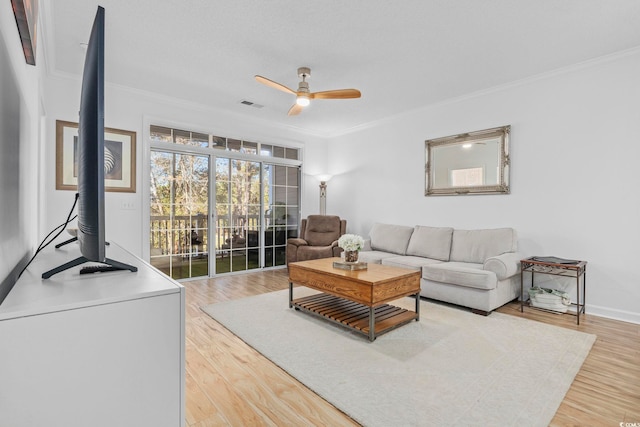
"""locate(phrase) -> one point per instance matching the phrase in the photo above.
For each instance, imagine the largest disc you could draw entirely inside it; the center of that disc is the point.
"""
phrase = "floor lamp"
(323, 192)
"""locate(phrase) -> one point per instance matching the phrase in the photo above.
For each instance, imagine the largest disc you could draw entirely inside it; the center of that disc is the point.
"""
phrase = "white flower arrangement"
(351, 242)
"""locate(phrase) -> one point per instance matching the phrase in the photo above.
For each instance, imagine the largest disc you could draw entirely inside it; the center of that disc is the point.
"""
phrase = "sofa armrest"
(504, 265)
(297, 242)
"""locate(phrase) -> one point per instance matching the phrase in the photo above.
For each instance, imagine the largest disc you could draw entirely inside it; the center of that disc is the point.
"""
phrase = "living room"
(572, 154)
(570, 165)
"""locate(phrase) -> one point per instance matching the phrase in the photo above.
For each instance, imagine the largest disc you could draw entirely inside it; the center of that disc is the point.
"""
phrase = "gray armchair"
(319, 236)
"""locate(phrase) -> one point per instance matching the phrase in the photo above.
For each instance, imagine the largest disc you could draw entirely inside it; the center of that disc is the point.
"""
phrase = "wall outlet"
(128, 206)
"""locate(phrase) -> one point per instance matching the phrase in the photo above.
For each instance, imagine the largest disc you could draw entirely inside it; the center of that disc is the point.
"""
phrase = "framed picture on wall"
(26, 13)
(119, 158)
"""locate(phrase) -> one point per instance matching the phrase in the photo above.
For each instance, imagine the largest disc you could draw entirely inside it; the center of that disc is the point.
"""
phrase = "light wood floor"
(229, 383)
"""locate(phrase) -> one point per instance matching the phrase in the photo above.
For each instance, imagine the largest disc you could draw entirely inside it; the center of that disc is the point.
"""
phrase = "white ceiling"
(401, 55)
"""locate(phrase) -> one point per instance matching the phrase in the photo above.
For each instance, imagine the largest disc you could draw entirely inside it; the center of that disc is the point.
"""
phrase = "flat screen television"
(90, 158)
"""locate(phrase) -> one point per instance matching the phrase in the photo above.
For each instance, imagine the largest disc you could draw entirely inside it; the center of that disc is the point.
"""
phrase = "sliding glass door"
(179, 209)
(281, 198)
(238, 220)
(220, 205)
(256, 208)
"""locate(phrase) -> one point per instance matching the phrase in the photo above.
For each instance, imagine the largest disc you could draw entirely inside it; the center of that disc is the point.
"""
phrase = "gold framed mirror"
(468, 163)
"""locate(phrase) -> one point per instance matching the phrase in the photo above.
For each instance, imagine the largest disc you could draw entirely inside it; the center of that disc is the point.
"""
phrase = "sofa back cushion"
(430, 242)
(322, 230)
(390, 238)
(478, 245)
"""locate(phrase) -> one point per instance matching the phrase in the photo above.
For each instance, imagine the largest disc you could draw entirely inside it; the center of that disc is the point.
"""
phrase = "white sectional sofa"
(479, 269)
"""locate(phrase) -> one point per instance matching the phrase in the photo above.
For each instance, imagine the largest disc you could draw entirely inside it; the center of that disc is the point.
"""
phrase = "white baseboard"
(610, 313)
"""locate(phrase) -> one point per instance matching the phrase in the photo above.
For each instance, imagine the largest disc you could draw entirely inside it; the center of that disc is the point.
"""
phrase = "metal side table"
(545, 265)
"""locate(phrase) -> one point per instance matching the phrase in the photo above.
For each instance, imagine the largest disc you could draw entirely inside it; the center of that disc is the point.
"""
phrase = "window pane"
(281, 256)
(281, 236)
(218, 142)
(291, 153)
(281, 175)
(292, 196)
(223, 192)
(266, 150)
(182, 137)
(159, 133)
(250, 147)
(292, 177)
(234, 145)
(279, 195)
(222, 169)
(278, 152)
(200, 139)
(222, 211)
(161, 182)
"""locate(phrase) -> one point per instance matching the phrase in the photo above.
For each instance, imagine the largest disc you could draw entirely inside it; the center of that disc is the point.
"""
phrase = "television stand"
(80, 338)
(111, 264)
(66, 242)
(71, 240)
(100, 269)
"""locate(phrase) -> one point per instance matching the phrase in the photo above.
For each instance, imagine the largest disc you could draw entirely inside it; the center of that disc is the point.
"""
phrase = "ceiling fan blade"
(336, 94)
(275, 85)
(295, 110)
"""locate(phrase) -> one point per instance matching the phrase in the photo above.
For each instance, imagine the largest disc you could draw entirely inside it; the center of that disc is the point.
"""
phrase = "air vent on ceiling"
(251, 104)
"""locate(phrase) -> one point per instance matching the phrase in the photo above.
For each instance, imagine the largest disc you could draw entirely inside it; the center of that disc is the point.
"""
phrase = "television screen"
(91, 148)
(91, 216)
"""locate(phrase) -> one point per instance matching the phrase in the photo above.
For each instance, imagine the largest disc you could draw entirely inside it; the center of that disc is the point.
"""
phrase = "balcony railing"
(188, 234)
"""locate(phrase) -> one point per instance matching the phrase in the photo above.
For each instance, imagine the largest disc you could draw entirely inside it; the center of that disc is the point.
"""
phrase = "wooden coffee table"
(356, 299)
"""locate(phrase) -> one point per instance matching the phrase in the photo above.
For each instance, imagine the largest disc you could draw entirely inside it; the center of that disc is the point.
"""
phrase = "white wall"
(130, 110)
(574, 176)
(19, 131)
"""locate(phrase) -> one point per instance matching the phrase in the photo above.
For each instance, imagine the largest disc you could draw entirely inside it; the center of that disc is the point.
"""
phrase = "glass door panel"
(281, 196)
(237, 215)
(179, 214)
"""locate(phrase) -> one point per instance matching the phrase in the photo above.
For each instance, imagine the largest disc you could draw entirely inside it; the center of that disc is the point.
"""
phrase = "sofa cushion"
(414, 262)
(462, 274)
(430, 242)
(322, 230)
(374, 257)
(390, 238)
(477, 245)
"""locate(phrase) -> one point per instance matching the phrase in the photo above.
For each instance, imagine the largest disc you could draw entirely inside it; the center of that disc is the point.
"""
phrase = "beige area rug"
(450, 368)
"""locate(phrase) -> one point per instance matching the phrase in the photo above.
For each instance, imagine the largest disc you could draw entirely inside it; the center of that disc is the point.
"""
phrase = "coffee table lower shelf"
(354, 315)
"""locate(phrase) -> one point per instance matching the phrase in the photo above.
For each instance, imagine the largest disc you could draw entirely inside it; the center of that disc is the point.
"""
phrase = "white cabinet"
(103, 349)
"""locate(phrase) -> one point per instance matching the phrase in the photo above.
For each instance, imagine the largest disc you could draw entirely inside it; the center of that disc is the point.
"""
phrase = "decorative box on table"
(353, 266)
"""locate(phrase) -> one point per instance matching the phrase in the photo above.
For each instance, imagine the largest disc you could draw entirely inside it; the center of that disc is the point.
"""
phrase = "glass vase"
(351, 256)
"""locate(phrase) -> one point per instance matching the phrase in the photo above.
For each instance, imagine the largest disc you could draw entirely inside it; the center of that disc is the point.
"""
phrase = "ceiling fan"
(303, 96)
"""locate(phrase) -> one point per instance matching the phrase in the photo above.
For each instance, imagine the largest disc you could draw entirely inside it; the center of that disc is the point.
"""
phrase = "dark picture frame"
(26, 13)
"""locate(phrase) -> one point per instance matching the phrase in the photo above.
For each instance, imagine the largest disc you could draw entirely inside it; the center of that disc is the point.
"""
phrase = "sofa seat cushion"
(413, 262)
(462, 274)
(390, 238)
(430, 242)
(374, 257)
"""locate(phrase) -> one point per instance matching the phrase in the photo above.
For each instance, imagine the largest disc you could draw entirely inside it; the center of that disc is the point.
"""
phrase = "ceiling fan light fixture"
(303, 100)
(304, 95)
